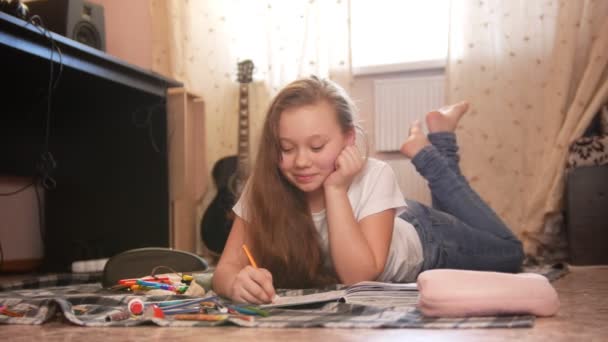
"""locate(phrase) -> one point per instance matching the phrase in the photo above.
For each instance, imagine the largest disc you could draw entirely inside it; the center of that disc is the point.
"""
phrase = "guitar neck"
(243, 134)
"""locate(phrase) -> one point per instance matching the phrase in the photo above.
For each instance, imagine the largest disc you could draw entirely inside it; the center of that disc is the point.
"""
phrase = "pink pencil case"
(459, 293)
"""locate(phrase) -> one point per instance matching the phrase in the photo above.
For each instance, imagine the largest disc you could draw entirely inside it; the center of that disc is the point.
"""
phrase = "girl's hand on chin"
(253, 285)
(348, 165)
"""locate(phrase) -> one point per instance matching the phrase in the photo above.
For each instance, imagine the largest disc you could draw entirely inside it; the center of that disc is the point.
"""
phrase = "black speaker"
(79, 20)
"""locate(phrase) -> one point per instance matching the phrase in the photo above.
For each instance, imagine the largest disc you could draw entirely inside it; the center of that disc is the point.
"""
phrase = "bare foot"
(415, 142)
(445, 119)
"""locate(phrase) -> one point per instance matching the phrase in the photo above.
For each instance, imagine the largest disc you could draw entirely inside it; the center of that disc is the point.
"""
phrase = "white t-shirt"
(373, 190)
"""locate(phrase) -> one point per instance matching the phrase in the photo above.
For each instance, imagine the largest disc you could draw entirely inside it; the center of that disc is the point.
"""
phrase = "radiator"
(398, 102)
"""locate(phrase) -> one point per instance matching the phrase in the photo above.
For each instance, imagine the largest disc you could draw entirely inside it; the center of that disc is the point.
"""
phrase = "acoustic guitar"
(229, 173)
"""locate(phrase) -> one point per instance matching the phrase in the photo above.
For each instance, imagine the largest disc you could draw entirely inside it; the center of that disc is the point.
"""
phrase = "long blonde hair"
(280, 228)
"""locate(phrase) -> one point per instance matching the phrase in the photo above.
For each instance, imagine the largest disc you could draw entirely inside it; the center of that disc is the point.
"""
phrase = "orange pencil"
(249, 256)
(200, 317)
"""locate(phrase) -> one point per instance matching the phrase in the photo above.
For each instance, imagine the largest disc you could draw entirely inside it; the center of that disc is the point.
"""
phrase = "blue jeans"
(460, 231)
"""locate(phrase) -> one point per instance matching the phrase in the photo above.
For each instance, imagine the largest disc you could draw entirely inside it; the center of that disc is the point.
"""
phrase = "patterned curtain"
(535, 73)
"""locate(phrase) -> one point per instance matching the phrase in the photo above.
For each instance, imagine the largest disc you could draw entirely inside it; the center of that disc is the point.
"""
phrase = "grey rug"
(70, 297)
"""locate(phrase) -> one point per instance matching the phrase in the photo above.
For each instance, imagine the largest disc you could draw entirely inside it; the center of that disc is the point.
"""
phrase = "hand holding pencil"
(253, 284)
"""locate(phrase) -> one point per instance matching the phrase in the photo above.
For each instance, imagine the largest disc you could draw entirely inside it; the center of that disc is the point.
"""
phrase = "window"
(398, 35)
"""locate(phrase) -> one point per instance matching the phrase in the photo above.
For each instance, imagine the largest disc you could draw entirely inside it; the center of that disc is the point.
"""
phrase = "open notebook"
(366, 291)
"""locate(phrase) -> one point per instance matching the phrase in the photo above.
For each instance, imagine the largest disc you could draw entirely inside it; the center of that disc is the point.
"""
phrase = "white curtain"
(200, 43)
(536, 73)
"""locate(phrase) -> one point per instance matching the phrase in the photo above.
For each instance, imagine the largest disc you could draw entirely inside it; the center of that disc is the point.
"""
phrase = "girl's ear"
(351, 137)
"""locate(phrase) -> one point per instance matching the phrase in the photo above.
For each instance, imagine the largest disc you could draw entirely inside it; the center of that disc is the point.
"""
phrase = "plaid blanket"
(91, 305)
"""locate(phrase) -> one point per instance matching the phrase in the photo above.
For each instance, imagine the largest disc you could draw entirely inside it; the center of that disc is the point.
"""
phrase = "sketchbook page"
(404, 299)
(305, 299)
(382, 294)
(380, 287)
(362, 291)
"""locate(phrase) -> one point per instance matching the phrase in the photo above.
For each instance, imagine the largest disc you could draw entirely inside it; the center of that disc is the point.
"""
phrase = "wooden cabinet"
(187, 165)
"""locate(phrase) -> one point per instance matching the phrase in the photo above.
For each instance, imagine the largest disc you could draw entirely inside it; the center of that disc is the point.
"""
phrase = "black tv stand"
(108, 136)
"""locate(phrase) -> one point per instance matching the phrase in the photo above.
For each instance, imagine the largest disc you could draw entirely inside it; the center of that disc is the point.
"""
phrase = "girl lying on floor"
(316, 212)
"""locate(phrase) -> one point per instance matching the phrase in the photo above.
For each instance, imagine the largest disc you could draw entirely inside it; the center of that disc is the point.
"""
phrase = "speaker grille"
(84, 32)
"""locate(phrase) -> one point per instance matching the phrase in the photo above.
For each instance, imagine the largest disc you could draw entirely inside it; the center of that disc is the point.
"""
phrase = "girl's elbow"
(216, 286)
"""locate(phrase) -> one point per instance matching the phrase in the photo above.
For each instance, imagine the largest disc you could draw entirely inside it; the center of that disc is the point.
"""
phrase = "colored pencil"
(251, 260)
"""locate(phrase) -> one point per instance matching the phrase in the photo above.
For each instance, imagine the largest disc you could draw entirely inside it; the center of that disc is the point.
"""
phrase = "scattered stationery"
(249, 310)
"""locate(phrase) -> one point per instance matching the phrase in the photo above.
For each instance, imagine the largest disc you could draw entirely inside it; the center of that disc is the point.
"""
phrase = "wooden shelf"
(187, 165)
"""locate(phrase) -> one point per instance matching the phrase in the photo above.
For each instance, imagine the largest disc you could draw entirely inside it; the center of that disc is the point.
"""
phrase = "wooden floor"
(583, 316)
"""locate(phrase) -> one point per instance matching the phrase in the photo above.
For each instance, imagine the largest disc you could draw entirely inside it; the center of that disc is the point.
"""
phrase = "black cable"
(146, 121)
(47, 164)
(41, 215)
(18, 190)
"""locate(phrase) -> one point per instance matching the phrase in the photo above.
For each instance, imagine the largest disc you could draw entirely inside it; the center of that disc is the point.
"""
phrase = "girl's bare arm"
(358, 249)
(235, 278)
